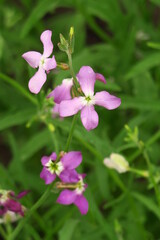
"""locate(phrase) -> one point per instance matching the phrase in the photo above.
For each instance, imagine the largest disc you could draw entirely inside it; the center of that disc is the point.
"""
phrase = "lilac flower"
(60, 93)
(63, 167)
(9, 202)
(76, 197)
(41, 61)
(89, 117)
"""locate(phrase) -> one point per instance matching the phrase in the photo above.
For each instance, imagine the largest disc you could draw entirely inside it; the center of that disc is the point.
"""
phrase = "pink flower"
(89, 117)
(76, 197)
(9, 202)
(64, 167)
(41, 61)
(60, 93)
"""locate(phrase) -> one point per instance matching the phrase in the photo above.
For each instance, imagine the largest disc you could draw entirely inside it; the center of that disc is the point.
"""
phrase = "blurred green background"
(120, 39)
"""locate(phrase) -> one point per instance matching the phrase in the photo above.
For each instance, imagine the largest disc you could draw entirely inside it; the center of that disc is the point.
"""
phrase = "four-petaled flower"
(41, 61)
(89, 117)
(9, 202)
(76, 197)
(63, 167)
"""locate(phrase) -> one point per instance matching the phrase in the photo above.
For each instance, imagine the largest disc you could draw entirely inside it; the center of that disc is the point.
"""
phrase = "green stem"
(72, 71)
(29, 213)
(16, 85)
(2, 232)
(157, 193)
(142, 173)
(71, 132)
(152, 140)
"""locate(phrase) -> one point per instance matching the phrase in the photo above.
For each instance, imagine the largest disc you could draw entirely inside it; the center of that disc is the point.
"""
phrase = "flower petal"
(69, 176)
(45, 159)
(22, 194)
(62, 92)
(82, 203)
(89, 117)
(50, 63)
(100, 77)
(66, 197)
(33, 58)
(37, 81)
(71, 160)
(71, 107)
(86, 78)
(107, 100)
(13, 205)
(47, 176)
(47, 43)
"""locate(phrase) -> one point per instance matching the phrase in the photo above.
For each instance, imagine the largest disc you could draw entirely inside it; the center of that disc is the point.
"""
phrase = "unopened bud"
(51, 127)
(117, 162)
(63, 66)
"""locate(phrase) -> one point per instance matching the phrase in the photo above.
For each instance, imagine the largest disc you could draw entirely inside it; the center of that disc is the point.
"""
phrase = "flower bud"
(117, 162)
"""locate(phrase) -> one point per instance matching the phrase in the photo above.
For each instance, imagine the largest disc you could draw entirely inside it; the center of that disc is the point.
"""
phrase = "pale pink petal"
(47, 43)
(89, 117)
(82, 204)
(33, 58)
(37, 81)
(70, 107)
(100, 77)
(86, 78)
(71, 160)
(66, 197)
(50, 63)
(62, 92)
(47, 176)
(107, 100)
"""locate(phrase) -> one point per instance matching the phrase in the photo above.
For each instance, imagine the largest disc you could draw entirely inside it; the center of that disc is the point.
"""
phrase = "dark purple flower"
(9, 202)
(63, 167)
(76, 197)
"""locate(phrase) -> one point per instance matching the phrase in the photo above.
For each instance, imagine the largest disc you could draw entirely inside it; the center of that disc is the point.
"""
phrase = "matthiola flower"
(89, 117)
(76, 197)
(60, 93)
(41, 61)
(117, 162)
(63, 167)
(10, 202)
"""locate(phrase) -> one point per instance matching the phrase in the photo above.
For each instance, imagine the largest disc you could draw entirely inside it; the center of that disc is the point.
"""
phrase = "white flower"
(117, 162)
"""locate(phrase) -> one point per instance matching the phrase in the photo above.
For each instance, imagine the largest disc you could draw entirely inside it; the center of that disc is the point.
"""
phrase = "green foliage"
(121, 40)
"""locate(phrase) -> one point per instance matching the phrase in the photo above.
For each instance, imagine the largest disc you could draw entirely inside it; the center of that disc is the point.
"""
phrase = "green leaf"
(139, 103)
(148, 203)
(67, 230)
(14, 119)
(37, 13)
(33, 145)
(157, 2)
(147, 63)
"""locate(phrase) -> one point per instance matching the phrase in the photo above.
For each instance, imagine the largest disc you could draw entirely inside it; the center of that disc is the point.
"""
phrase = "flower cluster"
(64, 167)
(85, 102)
(73, 95)
(9, 202)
